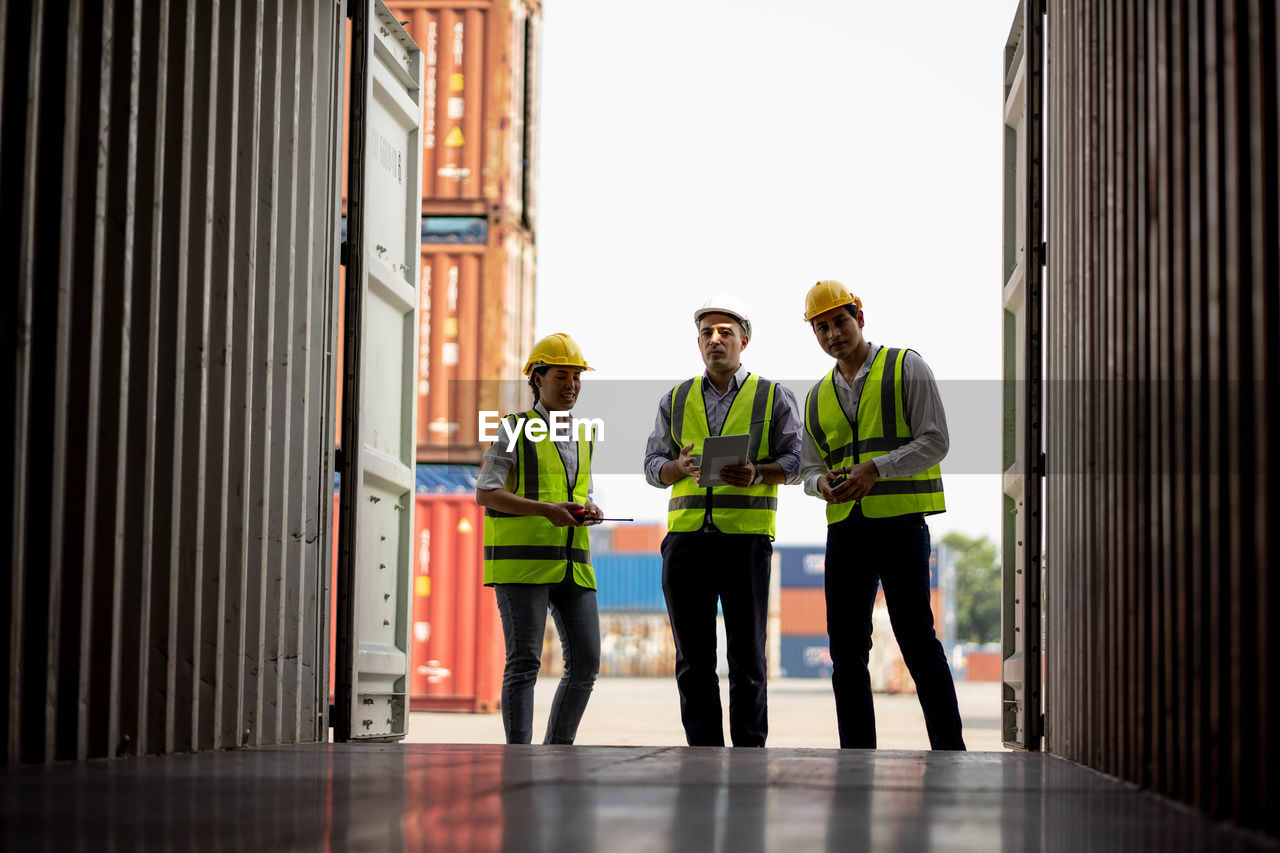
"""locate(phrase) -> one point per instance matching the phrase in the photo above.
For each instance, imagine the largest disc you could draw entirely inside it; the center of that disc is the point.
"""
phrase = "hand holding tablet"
(719, 451)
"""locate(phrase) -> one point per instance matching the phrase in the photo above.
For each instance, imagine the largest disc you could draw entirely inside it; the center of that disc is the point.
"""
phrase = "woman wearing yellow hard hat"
(535, 487)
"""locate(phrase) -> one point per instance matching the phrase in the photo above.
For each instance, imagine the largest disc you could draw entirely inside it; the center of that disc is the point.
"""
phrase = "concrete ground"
(802, 713)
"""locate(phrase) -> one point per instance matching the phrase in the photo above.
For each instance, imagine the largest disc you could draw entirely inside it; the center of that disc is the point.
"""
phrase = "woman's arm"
(558, 513)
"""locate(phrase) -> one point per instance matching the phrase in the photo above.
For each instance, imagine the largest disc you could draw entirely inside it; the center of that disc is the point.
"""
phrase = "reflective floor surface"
(487, 797)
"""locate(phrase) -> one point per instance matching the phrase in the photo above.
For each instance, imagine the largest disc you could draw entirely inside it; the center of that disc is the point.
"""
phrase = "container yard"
(270, 259)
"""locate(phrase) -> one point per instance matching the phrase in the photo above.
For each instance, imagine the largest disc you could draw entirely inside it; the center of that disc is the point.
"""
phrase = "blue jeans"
(523, 608)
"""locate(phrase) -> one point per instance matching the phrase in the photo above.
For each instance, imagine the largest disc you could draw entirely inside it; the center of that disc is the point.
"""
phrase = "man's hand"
(739, 475)
(684, 465)
(862, 477)
(564, 514)
(835, 486)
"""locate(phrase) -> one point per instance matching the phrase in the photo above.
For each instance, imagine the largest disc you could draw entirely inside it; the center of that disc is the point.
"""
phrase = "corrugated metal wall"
(1162, 397)
(167, 378)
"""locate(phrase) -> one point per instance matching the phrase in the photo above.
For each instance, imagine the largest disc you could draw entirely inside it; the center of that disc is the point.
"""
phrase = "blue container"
(445, 479)
(806, 566)
(630, 582)
(801, 566)
(805, 656)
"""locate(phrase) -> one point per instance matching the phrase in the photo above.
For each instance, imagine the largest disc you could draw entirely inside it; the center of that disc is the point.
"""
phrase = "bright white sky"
(696, 146)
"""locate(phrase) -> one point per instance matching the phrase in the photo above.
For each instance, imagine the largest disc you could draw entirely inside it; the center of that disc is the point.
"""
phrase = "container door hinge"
(344, 254)
(1042, 254)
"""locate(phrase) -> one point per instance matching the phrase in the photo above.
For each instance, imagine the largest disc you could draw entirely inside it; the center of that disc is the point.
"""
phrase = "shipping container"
(802, 610)
(984, 666)
(475, 330)
(639, 538)
(804, 656)
(480, 104)
(629, 582)
(800, 565)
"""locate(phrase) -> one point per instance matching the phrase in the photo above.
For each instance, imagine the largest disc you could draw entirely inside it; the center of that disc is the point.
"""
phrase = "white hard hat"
(723, 303)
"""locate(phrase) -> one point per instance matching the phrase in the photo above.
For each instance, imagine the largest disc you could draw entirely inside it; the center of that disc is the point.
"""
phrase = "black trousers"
(895, 552)
(698, 569)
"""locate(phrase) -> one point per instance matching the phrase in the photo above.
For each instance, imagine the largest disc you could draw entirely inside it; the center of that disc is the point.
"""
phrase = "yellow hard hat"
(558, 350)
(826, 295)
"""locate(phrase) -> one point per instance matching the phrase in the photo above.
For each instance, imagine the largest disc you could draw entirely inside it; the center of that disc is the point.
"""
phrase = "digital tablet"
(719, 451)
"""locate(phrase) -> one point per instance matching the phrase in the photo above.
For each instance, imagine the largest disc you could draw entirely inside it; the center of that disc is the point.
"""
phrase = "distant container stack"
(479, 179)
(804, 650)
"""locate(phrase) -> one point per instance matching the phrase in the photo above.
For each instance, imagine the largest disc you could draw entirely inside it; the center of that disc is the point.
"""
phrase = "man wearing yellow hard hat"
(719, 540)
(536, 491)
(875, 433)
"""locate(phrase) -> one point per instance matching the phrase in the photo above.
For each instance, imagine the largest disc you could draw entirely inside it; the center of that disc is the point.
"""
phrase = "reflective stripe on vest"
(882, 428)
(733, 509)
(528, 548)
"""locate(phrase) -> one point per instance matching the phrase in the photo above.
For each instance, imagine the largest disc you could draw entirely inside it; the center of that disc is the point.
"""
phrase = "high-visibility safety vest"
(882, 428)
(733, 509)
(529, 548)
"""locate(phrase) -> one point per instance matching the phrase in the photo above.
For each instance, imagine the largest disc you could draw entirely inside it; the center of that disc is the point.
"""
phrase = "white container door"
(380, 346)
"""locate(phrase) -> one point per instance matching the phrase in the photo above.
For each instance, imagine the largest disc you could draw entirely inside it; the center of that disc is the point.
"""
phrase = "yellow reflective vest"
(882, 428)
(528, 548)
(733, 509)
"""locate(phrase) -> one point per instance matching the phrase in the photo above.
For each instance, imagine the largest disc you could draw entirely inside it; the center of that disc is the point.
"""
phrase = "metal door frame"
(1022, 716)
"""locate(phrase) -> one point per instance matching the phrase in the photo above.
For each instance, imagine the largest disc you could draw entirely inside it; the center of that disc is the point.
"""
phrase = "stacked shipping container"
(478, 259)
(804, 651)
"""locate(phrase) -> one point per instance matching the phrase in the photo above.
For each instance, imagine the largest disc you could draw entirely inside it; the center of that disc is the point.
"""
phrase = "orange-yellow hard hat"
(558, 350)
(826, 295)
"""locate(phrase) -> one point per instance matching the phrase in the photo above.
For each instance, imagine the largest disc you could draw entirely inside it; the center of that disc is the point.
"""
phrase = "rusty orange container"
(985, 666)
(643, 538)
(802, 610)
(480, 105)
(475, 328)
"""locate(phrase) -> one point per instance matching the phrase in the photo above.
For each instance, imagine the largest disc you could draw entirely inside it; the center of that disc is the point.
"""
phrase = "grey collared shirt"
(922, 407)
(785, 427)
(498, 460)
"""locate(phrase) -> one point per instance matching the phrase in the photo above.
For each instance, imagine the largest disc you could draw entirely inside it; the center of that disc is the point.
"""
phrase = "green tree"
(977, 588)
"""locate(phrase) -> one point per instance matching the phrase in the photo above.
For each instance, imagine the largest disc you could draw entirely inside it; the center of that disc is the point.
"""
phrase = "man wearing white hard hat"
(875, 433)
(719, 541)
